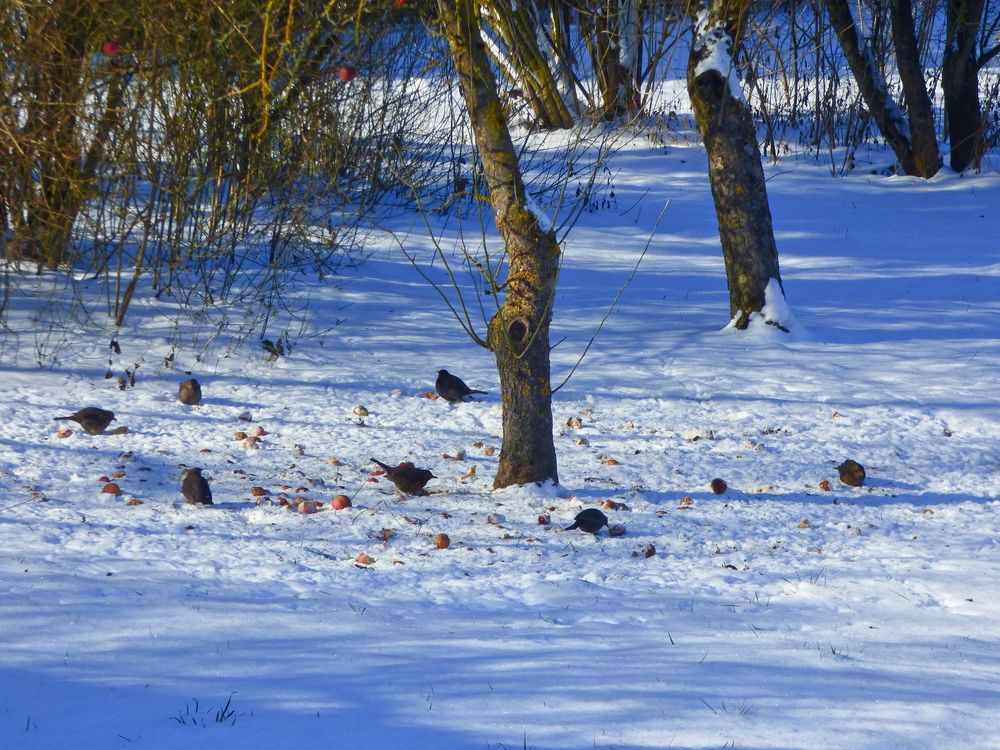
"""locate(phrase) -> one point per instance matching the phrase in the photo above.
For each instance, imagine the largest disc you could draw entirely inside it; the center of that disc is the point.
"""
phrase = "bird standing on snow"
(852, 473)
(590, 520)
(189, 392)
(93, 420)
(408, 478)
(195, 488)
(452, 388)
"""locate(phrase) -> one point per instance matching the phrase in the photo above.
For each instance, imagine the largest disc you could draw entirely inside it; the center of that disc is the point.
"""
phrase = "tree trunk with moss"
(517, 24)
(734, 168)
(519, 331)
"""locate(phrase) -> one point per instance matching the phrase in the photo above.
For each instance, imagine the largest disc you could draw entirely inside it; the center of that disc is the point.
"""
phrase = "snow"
(778, 614)
(715, 47)
(775, 319)
(546, 222)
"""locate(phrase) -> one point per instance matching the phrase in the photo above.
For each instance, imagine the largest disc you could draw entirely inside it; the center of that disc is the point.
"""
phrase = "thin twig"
(614, 302)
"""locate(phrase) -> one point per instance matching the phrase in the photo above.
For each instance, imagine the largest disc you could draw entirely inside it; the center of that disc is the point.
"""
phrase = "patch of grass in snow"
(743, 709)
(193, 716)
(814, 579)
(501, 746)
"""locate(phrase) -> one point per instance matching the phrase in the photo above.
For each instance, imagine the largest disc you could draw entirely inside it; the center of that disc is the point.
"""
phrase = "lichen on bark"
(518, 333)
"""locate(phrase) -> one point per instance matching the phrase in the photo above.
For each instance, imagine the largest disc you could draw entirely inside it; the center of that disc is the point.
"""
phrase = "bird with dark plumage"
(452, 388)
(408, 478)
(189, 392)
(92, 419)
(590, 520)
(195, 488)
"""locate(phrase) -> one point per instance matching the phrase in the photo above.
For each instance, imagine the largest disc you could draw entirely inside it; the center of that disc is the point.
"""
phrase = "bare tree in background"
(960, 81)
(521, 28)
(911, 135)
(215, 149)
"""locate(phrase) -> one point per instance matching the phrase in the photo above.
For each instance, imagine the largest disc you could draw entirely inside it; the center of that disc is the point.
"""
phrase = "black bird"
(452, 388)
(189, 392)
(590, 520)
(90, 418)
(408, 478)
(195, 488)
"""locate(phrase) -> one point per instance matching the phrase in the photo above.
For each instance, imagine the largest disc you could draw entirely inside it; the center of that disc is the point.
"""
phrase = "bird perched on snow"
(189, 392)
(590, 520)
(195, 488)
(852, 473)
(92, 419)
(408, 478)
(452, 388)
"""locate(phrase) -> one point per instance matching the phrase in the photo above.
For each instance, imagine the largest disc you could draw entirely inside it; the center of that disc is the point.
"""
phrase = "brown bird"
(408, 478)
(852, 473)
(452, 388)
(91, 419)
(590, 520)
(195, 488)
(189, 392)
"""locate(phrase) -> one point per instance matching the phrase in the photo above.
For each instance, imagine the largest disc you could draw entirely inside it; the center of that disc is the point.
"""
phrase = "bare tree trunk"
(561, 53)
(519, 332)
(923, 142)
(734, 168)
(616, 84)
(890, 120)
(631, 53)
(960, 81)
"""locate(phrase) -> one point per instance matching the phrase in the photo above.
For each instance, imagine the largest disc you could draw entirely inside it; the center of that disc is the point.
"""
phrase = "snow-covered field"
(777, 615)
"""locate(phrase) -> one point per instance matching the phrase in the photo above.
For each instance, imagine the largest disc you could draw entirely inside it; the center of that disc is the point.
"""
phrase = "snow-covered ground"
(777, 615)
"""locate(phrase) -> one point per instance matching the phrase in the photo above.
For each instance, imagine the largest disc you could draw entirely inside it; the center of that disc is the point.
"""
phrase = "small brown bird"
(195, 488)
(408, 478)
(189, 392)
(452, 388)
(852, 473)
(92, 419)
(590, 520)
